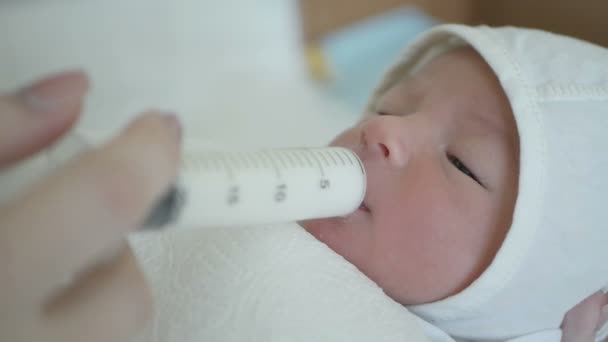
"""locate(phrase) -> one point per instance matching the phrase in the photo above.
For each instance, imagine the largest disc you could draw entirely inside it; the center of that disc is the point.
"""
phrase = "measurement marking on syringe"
(240, 161)
(297, 156)
(249, 162)
(320, 153)
(316, 158)
(348, 157)
(273, 165)
(233, 163)
(262, 161)
(361, 166)
(277, 168)
(243, 160)
(252, 161)
(357, 161)
(290, 161)
(281, 160)
(226, 166)
(229, 162)
(331, 155)
(309, 163)
(337, 153)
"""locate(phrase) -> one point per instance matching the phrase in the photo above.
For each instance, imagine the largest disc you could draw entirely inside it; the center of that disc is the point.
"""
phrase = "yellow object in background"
(317, 63)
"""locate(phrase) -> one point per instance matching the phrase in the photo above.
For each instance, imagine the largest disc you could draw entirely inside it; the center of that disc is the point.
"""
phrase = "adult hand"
(66, 271)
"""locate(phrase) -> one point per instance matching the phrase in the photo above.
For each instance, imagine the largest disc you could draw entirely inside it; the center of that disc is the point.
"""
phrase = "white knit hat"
(556, 252)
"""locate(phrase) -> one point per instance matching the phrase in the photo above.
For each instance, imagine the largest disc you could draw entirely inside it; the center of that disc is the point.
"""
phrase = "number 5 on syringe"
(281, 193)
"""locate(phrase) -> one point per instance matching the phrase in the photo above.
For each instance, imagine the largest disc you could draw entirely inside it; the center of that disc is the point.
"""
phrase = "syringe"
(227, 188)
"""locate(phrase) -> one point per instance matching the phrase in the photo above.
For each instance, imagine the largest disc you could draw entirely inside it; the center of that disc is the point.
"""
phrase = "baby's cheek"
(326, 231)
(314, 227)
(341, 237)
(421, 259)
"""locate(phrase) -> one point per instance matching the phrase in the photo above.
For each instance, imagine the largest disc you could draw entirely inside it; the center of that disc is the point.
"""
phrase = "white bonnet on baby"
(556, 251)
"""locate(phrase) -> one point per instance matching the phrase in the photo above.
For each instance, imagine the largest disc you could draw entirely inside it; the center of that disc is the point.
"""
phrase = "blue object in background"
(359, 55)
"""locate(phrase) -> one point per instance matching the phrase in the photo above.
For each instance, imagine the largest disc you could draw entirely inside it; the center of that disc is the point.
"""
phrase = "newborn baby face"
(441, 154)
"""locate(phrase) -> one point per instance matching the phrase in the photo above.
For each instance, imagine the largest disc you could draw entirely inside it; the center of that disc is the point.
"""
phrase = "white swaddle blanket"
(263, 284)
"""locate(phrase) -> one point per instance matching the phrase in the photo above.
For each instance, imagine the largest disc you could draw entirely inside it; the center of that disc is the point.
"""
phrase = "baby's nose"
(386, 136)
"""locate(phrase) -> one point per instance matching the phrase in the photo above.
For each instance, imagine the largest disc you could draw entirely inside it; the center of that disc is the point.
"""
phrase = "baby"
(485, 156)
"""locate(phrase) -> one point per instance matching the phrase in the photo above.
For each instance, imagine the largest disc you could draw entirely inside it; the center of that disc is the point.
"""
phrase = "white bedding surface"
(233, 70)
(274, 283)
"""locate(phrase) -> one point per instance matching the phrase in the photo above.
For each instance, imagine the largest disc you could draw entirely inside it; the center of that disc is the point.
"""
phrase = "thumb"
(35, 116)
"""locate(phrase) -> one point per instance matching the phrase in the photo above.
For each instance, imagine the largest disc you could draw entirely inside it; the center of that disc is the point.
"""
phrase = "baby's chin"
(347, 236)
(331, 233)
(322, 229)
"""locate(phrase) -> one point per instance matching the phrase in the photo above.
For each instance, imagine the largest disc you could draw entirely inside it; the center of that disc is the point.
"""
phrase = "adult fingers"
(80, 214)
(112, 303)
(33, 117)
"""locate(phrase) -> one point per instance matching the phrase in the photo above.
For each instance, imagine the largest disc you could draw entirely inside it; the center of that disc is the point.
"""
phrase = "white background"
(232, 69)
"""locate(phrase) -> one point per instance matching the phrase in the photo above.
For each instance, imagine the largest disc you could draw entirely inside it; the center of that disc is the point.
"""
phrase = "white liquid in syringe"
(278, 185)
(226, 188)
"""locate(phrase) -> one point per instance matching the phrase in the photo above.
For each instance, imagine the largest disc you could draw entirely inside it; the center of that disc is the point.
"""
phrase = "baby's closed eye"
(455, 161)
(458, 164)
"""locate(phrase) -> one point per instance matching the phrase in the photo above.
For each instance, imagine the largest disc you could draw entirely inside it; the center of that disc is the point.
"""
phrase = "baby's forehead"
(462, 66)
(457, 81)
(458, 73)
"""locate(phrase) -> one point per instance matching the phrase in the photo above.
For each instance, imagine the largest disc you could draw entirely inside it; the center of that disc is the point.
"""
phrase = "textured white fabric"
(555, 253)
(273, 283)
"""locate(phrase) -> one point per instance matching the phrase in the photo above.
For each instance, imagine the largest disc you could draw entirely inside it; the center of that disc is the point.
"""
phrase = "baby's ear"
(583, 321)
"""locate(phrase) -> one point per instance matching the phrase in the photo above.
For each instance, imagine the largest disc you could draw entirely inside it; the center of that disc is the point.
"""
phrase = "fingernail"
(55, 92)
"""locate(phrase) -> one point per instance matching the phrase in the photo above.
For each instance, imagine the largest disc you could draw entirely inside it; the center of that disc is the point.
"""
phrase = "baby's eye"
(463, 168)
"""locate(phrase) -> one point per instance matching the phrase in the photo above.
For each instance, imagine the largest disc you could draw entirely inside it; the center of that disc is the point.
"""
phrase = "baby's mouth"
(364, 207)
